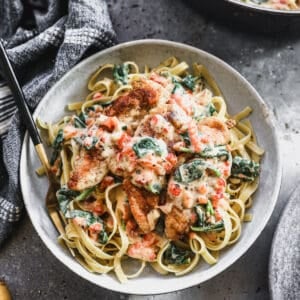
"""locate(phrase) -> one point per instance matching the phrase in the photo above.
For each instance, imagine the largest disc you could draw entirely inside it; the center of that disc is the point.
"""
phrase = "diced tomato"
(174, 189)
(97, 95)
(123, 140)
(110, 123)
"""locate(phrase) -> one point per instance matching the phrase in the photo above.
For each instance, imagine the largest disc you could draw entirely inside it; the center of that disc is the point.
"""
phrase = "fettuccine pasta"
(153, 170)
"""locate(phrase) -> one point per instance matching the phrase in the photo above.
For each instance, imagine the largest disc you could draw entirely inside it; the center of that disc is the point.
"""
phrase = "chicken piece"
(214, 130)
(141, 203)
(157, 127)
(176, 224)
(135, 104)
(89, 170)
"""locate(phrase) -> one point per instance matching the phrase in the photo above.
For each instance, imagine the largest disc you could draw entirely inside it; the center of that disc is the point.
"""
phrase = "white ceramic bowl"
(238, 93)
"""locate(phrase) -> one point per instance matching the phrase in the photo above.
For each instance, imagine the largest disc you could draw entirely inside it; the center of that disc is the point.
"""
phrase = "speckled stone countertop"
(271, 64)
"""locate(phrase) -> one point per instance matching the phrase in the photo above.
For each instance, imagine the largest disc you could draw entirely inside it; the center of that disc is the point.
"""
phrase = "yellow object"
(4, 291)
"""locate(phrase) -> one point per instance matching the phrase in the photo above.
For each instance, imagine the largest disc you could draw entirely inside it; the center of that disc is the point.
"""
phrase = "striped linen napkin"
(44, 39)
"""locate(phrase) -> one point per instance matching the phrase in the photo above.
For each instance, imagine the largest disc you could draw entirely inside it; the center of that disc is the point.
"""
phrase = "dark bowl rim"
(258, 9)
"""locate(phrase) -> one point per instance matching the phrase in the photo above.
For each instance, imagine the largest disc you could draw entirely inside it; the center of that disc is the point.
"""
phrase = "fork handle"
(40, 150)
(21, 103)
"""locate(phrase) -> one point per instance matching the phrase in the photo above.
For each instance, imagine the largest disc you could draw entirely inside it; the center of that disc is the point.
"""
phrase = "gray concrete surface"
(271, 64)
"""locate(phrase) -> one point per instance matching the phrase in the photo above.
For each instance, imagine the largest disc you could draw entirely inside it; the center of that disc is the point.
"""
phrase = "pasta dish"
(152, 169)
(276, 4)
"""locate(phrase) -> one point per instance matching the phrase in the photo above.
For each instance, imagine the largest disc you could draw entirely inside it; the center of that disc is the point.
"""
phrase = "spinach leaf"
(217, 151)
(58, 139)
(219, 226)
(78, 123)
(120, 73)
(83, 117)
(89, 217)
(80, 141)
(85, 194)
(209, 209)
(189, 82)
(200, 216)
(146, 145)
(177, 256)
(201, 224)
(103, 237)
(57, 146)
(244, 169)
(178, 89)
(190, 171)
(64, 196)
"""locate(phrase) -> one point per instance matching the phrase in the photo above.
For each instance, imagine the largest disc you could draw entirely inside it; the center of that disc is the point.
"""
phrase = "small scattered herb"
(120, 73)
(177, 256)
(145, 145)
(244, 169)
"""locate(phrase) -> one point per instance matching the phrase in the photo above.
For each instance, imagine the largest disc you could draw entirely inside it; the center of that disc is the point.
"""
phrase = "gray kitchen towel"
(44, 39)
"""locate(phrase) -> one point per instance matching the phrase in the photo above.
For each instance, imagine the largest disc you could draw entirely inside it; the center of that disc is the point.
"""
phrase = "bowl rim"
(257, 8)
(122, 288)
